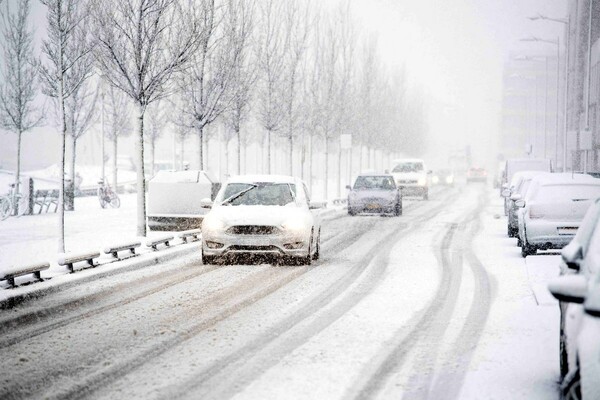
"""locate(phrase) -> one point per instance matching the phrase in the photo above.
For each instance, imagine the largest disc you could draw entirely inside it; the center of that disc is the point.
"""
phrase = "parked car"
(578, 291)
(412, 177)
(515, 165)
(174, 199)
(262, 215)
(553, 209)
(374, 194)
(443, 177)
(476, 174)
(516, 191)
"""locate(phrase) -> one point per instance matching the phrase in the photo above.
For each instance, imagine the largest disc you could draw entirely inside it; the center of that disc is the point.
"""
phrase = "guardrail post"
(31, 199)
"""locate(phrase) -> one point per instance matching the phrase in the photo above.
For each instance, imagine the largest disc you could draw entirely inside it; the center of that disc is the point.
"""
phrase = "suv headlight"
(213, 224)
(422, 181)
(294, 225)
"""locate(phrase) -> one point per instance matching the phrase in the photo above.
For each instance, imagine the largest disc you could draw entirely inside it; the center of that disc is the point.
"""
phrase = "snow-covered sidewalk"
(517, 356)
(34, 238)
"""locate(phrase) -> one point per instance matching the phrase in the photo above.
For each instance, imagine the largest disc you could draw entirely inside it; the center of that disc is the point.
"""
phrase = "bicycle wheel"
(101, 198)
(115, 202)
(5, 208)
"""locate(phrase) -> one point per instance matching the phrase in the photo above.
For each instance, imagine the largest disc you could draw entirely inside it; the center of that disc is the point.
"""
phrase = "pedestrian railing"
(130, 246)
(164, 240)
(10, 273)
(193, 234)
(69, 259)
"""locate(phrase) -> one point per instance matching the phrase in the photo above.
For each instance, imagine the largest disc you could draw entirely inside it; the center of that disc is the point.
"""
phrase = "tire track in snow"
(428, 325)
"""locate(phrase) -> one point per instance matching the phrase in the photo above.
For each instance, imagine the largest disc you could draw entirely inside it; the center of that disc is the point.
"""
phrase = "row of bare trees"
(301, 71)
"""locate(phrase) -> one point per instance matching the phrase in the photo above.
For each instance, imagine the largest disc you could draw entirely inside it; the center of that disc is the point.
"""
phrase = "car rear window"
(566, 193)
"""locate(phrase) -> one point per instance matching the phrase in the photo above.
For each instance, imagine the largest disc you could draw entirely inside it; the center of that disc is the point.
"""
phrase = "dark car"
(375, 194)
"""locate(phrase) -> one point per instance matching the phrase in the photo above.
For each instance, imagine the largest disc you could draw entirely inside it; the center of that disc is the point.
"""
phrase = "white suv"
(411, 175)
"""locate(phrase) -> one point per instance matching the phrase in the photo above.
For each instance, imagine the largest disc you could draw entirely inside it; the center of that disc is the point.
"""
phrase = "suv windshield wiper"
(237, 195)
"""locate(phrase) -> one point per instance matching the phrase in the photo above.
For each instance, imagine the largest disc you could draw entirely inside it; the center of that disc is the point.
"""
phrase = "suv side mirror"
(348, 187)
(572, 254)
(206, 203)
(520, 203)
(505, 192)
(569, 288)
(515, 197)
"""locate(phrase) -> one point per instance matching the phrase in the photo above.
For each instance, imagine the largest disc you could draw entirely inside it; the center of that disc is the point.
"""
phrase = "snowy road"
(430, 305)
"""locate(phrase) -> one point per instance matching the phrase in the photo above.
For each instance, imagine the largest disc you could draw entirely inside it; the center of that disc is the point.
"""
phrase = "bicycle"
(107, 196)
(8, 202)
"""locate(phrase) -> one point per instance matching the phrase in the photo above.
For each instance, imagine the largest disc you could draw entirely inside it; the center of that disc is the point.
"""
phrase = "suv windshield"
(409, 167)
(374, 182)
(259, 194)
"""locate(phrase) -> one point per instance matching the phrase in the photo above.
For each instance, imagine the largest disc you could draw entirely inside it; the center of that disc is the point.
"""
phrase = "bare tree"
(204, 86)
(297, 20)
(18, 87)
(140, 45)
(117, 125)
(68, 65)
(156, 124)
(271, 63)
(79, 112)
(240, 24)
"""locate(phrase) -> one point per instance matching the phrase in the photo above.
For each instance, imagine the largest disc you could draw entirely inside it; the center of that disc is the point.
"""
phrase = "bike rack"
(10, 273)
(192, 233)
(114, 250)
(69, 259)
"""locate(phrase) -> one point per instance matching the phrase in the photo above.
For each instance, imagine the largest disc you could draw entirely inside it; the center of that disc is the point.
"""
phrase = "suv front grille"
(252, 230)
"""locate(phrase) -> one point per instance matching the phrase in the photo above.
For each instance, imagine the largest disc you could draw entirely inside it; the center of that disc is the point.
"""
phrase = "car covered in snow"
(476, 174)
(517, 190)
(374, 193)
(514, 165)
(262, 215)
(412, 177)
(553, 209)
(174, 199)
(578, 290)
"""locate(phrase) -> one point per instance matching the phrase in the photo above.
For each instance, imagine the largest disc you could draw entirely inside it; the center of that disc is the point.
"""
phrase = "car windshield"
(409, 167)
(374, 182)
(566, 193)
(259, 194)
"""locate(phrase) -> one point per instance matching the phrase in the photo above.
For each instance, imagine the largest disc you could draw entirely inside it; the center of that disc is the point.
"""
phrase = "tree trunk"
(61, 188)
(141, 181)
(181, 143)
(360, 157)
(200, 148)
(152, 151)
(326, 166)
(339, 175)
(310, 162)
(239, 151)
(18, 173)
(115, 181)
(268, 151)
(291, 156)
(73, 159)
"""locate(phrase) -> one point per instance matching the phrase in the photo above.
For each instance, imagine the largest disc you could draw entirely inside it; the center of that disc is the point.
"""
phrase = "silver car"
(553, 209)
(375, 194)
(262, 215)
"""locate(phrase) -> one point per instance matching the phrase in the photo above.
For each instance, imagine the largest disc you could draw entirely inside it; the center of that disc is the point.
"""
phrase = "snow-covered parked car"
(516, 191)
(578, 290)
(174, 199)
(552, 210)
(262, 215)
(374, 193)
(515, 165)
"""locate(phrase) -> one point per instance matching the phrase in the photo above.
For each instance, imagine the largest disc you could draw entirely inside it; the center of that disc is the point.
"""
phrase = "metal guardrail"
(36, 269)
(193, 234)
(161, 240)
(69, 259)
(114, 250)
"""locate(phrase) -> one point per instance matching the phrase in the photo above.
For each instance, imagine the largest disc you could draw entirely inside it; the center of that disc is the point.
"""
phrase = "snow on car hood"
(256, 215)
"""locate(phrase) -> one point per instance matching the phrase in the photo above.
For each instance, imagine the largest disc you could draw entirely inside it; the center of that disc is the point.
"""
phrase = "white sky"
(455, 49)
